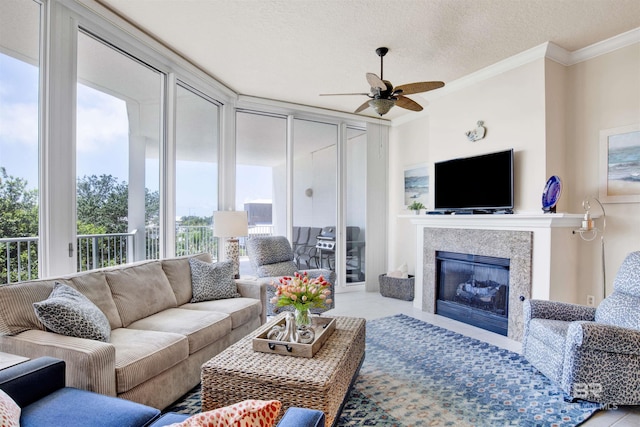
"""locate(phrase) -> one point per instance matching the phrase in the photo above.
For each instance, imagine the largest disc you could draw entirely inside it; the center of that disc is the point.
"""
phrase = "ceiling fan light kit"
(384, 96)
(381, 106)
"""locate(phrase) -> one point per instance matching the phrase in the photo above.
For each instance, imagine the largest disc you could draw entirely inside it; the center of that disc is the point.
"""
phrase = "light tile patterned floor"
(371, 305)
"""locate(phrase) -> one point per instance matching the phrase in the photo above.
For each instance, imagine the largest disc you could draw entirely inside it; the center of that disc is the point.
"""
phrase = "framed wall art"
(416, 184)
(620, 165)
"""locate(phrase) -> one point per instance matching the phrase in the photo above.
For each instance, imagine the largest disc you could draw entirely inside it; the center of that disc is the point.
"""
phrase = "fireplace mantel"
(499, 222)
(554, 254)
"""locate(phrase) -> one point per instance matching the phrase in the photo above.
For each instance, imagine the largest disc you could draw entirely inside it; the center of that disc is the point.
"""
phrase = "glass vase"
(303, 317)
(306, 334)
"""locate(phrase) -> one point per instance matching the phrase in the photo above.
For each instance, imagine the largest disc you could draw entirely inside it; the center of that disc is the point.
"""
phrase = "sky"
(102, 144)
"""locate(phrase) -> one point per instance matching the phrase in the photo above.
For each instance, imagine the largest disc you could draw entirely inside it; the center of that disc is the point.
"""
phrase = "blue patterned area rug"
(418, 374)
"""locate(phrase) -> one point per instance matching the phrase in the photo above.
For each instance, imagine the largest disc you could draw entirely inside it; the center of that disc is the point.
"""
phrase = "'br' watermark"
(591, 391)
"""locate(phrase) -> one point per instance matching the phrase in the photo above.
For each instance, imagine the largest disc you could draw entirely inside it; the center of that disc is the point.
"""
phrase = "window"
(19, 139)
(117, 156)
(261, 176)
(197, 134)
(356, 205)
(315, 168)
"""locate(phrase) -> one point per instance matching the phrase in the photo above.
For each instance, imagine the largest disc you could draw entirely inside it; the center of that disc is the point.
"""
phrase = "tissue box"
(394, 287)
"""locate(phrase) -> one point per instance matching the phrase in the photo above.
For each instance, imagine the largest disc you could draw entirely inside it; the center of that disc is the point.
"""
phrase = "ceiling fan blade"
(418, 87)
(341, 94)
(376, 82)
(408, 103)
(363, 107)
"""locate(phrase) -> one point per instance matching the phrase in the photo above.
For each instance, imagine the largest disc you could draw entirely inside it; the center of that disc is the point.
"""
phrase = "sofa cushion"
(140, 290)
(9, 411)
(211, 281)
(71, 407)
(68, 312)
(240, 310)
(178, 272)
(17, 314)
(93, 285)
(248, 413)
(141, 355)
(200, 327)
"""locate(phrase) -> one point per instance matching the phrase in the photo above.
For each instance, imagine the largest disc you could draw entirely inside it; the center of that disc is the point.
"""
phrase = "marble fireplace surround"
(514, 245)
(545, 240)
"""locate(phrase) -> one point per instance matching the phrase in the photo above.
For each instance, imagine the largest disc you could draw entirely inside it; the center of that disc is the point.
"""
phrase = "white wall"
(551, 115)
(513, 114)
(408, 146)
(603, 93)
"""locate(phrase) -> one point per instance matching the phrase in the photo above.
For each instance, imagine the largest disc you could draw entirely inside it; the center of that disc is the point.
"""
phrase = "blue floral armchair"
(272, 257)
(592, 353)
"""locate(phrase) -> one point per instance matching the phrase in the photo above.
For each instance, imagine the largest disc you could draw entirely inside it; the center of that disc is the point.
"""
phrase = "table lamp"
(231, 225)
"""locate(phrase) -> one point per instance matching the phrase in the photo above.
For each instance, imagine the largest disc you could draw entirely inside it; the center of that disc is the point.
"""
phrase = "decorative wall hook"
(477, 133)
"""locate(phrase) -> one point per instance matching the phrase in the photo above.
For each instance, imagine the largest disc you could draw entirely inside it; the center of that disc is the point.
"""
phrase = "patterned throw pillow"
(248, 413)
(212, 281)
(68, 312)
(9, 411)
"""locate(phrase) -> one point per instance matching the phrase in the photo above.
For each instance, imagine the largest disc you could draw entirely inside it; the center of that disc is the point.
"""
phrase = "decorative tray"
(323, 327)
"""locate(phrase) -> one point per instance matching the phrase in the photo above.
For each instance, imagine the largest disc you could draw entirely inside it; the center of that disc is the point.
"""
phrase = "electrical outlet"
(591, 300)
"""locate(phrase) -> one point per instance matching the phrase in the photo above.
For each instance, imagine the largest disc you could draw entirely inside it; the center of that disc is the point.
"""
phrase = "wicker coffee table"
(321, 382)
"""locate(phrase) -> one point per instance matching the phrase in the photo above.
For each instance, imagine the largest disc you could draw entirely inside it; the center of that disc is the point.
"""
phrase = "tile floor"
(372, 305)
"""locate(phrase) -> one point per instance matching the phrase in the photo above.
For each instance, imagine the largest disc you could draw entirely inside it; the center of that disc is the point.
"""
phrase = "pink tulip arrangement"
(302, 292)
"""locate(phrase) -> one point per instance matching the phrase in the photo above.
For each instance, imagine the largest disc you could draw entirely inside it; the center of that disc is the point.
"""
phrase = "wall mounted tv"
(477, 184)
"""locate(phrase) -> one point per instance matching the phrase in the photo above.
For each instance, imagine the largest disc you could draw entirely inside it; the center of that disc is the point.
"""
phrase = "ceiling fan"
(384, 96)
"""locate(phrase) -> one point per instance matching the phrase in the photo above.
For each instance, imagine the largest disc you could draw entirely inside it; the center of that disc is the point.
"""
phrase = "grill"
(326, 240)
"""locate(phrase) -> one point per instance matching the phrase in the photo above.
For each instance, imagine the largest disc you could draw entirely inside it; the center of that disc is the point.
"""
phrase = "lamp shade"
(230, 224)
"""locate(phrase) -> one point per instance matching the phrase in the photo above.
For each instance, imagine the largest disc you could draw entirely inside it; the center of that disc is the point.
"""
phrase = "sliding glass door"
(355, 206)
(118, 136)
(315, 167)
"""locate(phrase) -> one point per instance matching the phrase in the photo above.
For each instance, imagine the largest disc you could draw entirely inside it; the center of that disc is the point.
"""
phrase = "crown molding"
(605, 46)
(546, 50)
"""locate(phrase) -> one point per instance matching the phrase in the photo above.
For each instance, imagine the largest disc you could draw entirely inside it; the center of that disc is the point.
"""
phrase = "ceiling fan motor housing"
(384, 94)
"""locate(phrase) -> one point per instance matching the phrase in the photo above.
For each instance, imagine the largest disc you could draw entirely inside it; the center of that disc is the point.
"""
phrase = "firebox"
(473, 289)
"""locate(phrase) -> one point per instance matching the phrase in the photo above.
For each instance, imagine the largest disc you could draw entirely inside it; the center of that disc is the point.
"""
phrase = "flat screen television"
(477, 184)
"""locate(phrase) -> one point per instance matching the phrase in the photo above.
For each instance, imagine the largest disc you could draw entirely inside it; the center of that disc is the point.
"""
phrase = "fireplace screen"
(473, 289)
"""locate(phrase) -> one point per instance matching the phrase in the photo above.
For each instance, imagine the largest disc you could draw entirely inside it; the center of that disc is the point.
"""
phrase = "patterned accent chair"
(592, 353)
(271, 258)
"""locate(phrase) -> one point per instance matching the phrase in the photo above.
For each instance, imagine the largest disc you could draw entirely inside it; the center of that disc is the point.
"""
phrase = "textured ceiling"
(293, 50)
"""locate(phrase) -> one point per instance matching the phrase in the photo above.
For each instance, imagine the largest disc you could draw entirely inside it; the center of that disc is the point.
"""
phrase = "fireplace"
(473, 289)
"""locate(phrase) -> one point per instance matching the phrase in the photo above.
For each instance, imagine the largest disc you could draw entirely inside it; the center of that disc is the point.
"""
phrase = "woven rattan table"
(321, 382)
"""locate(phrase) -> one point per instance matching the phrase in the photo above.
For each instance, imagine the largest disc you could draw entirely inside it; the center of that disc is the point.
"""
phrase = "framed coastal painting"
(416, 184)
(620, 165)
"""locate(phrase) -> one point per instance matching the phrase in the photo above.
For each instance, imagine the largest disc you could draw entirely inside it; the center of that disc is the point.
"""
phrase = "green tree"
(18, 218)
(102, 201)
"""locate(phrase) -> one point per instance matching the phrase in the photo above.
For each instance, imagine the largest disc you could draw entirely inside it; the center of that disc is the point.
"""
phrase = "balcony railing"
(20, 259)
(19, 255)
(104, 250)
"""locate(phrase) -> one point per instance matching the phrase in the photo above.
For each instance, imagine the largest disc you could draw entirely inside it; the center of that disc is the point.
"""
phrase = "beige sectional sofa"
(158, 339)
